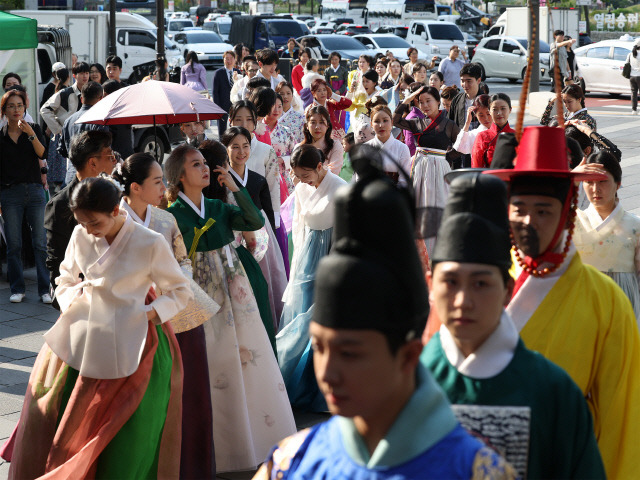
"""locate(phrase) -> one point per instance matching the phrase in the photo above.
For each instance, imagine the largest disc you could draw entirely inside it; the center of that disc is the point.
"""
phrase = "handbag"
(626, 70)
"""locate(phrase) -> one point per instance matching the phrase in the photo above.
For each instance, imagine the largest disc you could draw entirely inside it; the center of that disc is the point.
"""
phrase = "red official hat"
(543, 152)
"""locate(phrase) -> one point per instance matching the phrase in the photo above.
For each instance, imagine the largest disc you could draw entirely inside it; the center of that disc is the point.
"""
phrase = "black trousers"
(635, 86)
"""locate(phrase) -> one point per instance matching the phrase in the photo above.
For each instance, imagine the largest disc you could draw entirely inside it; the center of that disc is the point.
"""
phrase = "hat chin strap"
(530, 265)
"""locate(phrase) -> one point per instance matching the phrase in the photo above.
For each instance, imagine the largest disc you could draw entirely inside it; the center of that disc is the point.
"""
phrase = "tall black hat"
(475, 224)
(372, 279)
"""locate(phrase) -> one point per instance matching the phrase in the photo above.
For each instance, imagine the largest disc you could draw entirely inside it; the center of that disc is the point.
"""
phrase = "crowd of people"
(284, 268)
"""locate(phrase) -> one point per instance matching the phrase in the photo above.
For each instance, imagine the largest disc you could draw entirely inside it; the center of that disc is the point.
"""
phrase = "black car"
(584, 40)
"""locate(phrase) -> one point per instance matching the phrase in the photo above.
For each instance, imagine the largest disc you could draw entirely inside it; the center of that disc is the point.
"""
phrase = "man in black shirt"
(91, 94)
(470, 78)
(91, 154)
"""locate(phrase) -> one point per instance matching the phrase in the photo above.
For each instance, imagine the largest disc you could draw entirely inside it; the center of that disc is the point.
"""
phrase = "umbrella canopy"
(152, 102)
(17, 32)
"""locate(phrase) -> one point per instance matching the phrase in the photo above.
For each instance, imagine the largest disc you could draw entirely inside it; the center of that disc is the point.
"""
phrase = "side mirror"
(423, 35)
(370, 47)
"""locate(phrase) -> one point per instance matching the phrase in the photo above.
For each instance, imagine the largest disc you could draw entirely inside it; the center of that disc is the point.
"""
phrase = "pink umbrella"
(152, 102)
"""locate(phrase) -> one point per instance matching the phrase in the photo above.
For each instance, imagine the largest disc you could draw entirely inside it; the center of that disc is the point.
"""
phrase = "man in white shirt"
(268, 63)
(450, 67)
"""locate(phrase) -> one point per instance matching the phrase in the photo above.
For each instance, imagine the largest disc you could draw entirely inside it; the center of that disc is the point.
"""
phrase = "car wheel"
(615, 95)
(153, 145)
(513, 80)
(582, 86)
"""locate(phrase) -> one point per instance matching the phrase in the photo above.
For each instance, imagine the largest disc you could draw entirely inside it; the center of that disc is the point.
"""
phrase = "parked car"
(434, 37)
(156, 141)
(584, 39)
(323, 28)
(177, 25)
(304, 27)
(208, 45)
(322, 45)
(351, 30)
(220, 25)
(263, 31)
(183, 15)
(600, 66)
(506, 57)
(382, 42)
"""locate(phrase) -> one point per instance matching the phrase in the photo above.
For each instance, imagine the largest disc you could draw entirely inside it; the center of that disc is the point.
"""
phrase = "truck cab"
(263, 31)
(435, 37)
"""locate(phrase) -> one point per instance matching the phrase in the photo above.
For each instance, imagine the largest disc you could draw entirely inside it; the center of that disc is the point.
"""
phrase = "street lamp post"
(112, 28)
(534, 45)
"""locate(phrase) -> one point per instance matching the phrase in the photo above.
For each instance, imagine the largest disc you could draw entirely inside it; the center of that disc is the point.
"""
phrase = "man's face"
(103, 162)
(453, 53)
(81, 79)
(113, 72)
(268, 70)
(469, 298)
(229, 61)
(470, 85)
(355, 370)
(559, 38)
(534, 220)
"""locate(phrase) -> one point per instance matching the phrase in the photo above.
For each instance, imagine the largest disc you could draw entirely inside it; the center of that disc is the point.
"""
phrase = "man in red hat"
(572, 314)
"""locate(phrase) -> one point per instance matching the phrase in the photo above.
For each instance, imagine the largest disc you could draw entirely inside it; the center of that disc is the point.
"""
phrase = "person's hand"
(469, 119)
(25, 127)
(224, 179)
(464, 53)
(582, 126)
(410, 98)
(329, 92)
(435, 58)
(585, 167)
(43, 179)
(250, 240)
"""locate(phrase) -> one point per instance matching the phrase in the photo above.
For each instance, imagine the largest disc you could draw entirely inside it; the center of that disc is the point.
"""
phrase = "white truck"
(515, 22)
(435, 38)
(135, 37)
(257, 8)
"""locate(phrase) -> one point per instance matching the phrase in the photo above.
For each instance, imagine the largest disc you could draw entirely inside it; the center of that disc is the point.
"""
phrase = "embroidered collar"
(596, 220)
(134, 216)
(199, 211)
(575, 114)
(491, 358)
(105, 248)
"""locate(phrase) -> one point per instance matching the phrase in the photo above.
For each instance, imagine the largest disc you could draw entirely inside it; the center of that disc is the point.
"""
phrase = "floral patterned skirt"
(251, 410)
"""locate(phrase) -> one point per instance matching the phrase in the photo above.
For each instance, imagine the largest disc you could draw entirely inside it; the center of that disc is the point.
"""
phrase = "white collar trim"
(134, 216)
(243, 180)
(199, 211)
(491, 358)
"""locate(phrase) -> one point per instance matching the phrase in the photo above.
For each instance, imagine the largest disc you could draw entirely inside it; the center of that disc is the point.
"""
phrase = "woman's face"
(320, 95)
(381, 69)
(243, 118)
(483, 116)
(310, 176)
(10, 82)
(500, 111)
(382, 125)
(413, 56)
(363, 65)
(196, 171)
(601, 193)
(152, 189)
(245, 52)
(570, 103)
(239, 150)
(446, 103)
(95, 75)
(315, 68)
(291, 45)
(435, 82)
(421, 75)
(368, 85)
(304, 58)
(428, 104)
(276, 111)
(335, 61)
(190, 129)
(98, 224)
(317, 126)
(395, 69)
(287, 96)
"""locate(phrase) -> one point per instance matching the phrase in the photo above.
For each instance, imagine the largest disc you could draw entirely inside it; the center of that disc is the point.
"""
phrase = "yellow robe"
(586, 325)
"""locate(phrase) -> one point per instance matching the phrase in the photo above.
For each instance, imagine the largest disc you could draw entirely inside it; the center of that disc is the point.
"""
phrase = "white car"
(506, 57)
(381, 42)
(177, 25)
(220, 25)
(600, 66)
(208, 45)
(178, 15)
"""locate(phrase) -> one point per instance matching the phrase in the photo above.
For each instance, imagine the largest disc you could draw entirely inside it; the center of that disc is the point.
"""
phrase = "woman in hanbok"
(142, 179)
(250, 405)
(292, 115)
(466, 138)
(263, 98)
(298, 71)
(369, 89)
(394, 150)
(270, 261)
(334, 103)
(105, 394)
(485, 142)
(573, 100)
(193, 73)
(606, 236)
(282, 141)
(317, 132)
(393, 75)
(336, 75)
(312, 230)
(435, 135)
(354, 80)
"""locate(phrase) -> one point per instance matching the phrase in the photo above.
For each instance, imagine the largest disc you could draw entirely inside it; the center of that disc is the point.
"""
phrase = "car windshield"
(544, 46)
(179, 24)
(285, 28)
(344, 43)
(391, 42)
(445, 32)
(225, 28)
(203, 37)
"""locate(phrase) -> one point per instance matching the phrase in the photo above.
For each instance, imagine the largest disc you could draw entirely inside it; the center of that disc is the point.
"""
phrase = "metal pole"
(112, 28)
(534, 45)
(160, 25)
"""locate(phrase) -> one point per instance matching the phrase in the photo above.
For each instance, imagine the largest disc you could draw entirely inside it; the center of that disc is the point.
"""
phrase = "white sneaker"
(634, 112)
(16, 297)
(46, 298)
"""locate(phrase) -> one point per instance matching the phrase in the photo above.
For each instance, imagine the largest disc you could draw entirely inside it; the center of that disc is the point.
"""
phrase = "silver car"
(600, 66)
(506, 57)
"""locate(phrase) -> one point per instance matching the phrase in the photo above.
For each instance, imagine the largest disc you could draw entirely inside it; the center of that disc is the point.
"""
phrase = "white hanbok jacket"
(103, 326)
